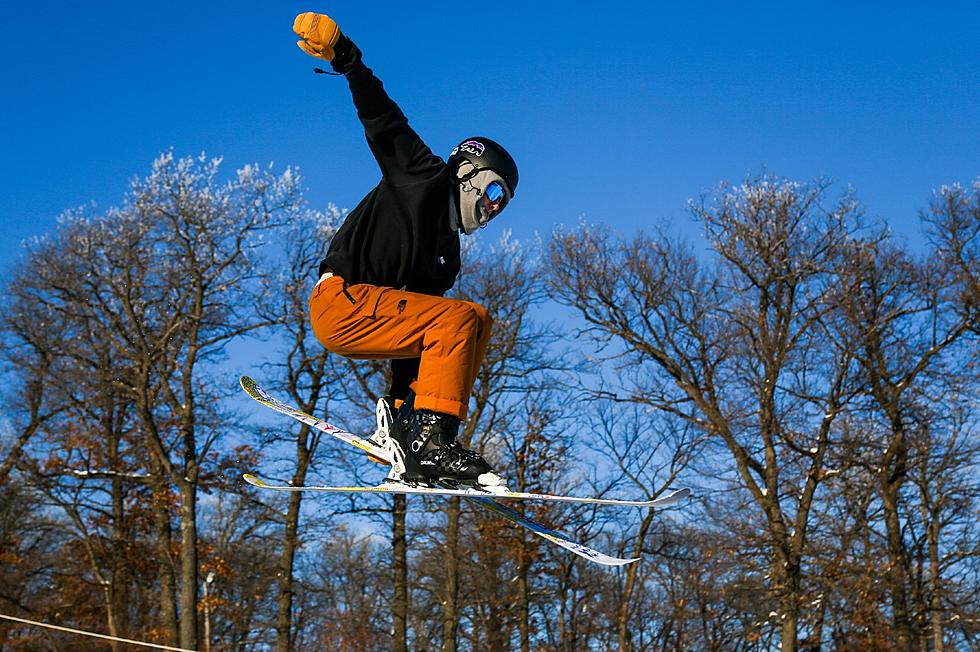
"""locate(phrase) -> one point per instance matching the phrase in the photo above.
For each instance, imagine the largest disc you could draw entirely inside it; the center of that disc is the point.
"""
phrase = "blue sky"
(618, 113)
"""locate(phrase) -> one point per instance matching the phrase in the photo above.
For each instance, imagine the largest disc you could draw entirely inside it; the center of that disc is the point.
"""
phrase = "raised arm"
(402, 155)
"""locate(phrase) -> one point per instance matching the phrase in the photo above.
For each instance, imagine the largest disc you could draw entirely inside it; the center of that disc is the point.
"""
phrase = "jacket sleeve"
(402, 155)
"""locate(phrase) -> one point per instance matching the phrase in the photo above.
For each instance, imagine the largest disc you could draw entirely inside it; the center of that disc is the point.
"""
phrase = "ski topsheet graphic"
(252, 389)
(484, 497)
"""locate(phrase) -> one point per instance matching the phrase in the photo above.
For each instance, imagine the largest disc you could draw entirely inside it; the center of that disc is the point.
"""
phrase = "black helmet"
(485, 154)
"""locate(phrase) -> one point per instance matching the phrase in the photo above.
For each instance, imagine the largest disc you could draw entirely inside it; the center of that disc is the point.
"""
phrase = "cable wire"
(108, 638)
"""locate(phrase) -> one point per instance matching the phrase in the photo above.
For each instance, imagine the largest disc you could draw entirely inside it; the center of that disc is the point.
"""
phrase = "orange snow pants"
(370, 322)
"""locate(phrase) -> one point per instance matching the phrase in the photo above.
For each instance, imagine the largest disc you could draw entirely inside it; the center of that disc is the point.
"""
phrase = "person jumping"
(381, 289)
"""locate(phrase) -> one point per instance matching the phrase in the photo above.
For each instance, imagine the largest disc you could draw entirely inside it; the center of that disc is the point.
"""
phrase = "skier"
(381, 286)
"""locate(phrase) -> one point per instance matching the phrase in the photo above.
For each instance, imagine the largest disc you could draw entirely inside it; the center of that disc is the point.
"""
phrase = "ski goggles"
(494, 198)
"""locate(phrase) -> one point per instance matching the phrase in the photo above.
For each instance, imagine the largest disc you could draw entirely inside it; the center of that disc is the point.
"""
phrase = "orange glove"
(318, 34)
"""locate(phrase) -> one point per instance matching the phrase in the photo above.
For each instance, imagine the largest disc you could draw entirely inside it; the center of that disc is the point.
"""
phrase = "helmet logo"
(474, 147)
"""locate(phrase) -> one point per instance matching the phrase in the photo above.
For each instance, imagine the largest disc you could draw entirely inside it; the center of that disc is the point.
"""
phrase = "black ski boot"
(432, 454)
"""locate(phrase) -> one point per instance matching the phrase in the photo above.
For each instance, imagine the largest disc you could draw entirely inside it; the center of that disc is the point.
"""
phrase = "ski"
(669, 500)
(481, 498)
(548, 534)
(252, 389)
(486, 500)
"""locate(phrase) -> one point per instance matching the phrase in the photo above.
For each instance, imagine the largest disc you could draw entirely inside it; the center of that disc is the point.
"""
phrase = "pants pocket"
(364, 299)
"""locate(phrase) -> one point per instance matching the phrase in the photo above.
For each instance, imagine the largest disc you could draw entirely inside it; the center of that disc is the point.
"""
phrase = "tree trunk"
(789, 621)
(399, 565)
(450, 609)
(815, 640)
(787, 634)
(524, 594)
(290, 543)
(285, 602)
(931, 514)
(561, 625)
(168, 586)
(110, 608)
(117, 599)
(117, 590)
(890, 479)
(895, 575)
(497, 634)
(188, 565)
(786, 581)
(284, 617)
(623, 616)
(935, 603)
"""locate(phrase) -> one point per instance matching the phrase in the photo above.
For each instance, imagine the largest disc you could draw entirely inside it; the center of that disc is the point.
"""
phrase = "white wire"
(108, 638)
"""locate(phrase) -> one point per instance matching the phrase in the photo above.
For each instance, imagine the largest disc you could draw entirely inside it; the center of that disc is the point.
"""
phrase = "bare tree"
(205, 236)
(350, 607)
(62, 276)
(947, 452)
(513, 420)
(31, 545)
(305, 378)
(161, 286)
(33, 334)
(904, 318)
(646, 456)
(738, 349)
(818, 378)
(953, 224)
(239, 556)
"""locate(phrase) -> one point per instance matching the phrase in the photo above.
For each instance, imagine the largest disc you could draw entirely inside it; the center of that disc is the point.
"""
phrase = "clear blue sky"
(619, 112)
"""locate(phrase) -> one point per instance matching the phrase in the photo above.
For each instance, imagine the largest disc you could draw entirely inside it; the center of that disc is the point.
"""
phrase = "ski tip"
(673, 498)
(669, 500)
(606, 560)
(254, 480)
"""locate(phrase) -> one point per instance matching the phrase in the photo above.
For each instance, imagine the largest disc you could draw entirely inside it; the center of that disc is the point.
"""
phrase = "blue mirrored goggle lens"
(495, 191)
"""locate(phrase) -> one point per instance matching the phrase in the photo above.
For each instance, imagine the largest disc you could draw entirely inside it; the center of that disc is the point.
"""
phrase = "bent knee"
(481, 314)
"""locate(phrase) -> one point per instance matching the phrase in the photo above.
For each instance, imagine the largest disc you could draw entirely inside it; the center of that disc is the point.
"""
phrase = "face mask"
(483, 195)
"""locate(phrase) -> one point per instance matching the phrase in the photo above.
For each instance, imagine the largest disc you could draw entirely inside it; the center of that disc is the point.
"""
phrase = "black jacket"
(400, 234)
